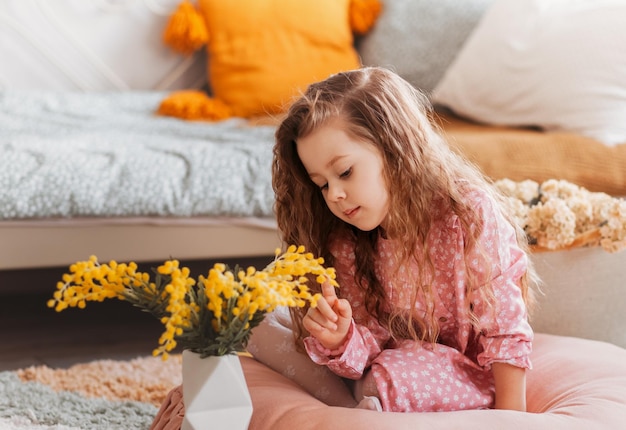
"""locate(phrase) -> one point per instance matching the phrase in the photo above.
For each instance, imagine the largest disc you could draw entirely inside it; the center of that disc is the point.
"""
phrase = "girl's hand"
(330, 320)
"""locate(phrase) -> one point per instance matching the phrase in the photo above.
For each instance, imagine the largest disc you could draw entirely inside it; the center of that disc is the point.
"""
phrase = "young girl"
(431, 313)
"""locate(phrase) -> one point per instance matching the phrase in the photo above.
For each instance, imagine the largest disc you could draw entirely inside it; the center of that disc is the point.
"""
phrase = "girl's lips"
(351, 212)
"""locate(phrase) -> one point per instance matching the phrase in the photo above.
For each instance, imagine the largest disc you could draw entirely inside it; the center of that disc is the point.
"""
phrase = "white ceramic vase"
(215, 393)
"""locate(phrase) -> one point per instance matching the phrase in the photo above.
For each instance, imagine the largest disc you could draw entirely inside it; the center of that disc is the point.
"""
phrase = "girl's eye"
(343, 175)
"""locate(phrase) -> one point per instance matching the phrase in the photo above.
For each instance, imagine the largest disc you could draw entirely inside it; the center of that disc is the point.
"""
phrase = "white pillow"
(92, 46)
(555, 64)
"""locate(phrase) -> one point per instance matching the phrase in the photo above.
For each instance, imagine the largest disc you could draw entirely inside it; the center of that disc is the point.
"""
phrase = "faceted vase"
(215, 393)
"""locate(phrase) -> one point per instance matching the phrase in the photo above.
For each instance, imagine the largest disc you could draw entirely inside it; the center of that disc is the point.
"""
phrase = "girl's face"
(349, 174)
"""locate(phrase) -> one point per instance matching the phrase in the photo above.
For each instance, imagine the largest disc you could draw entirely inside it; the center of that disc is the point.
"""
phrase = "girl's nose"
(336, 192)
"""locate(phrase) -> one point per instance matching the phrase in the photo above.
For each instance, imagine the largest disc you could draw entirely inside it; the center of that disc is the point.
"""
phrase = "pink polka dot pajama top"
(455, 373)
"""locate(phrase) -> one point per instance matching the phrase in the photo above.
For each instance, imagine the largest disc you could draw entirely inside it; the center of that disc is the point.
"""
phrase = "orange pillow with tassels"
(263, 53)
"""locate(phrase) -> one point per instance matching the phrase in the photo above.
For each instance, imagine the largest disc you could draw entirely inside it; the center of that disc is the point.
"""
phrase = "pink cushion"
(575, 384)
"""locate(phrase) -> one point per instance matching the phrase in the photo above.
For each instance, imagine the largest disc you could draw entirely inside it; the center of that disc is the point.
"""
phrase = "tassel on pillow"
(186, 30)
(194, 105)
(363, 15)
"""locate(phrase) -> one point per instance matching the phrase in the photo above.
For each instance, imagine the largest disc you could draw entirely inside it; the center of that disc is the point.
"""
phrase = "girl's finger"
(316, 323)
(343, 308)
(324, 307)
(329, 293)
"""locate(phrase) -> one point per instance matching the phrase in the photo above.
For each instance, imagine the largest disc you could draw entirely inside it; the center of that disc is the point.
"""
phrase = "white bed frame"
(41, 244)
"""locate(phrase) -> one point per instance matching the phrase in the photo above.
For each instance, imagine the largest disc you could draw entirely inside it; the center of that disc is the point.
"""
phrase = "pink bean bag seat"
(575, 384)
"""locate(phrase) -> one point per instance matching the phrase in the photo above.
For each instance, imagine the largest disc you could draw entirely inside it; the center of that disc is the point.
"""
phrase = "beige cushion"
(522, 153)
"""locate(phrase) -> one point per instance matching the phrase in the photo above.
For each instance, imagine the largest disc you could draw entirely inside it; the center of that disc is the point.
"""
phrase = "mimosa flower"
(213, 315)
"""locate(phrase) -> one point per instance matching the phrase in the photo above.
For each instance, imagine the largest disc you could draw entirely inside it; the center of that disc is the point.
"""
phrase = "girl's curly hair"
(379, 107)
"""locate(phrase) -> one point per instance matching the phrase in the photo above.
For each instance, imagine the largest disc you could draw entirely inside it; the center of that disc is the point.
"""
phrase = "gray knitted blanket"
(108, 154)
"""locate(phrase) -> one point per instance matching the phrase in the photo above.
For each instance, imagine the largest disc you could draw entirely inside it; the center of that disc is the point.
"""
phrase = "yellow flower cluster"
(211, 316)
(557, 214)
(90, 281)
(179, 309)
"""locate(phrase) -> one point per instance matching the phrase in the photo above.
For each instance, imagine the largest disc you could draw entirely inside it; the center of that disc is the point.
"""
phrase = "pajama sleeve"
(366, 337)
(505, 335)
(352, 358)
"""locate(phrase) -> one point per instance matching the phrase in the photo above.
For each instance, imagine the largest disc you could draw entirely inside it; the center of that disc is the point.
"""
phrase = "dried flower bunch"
(560, 215)
(213, 315)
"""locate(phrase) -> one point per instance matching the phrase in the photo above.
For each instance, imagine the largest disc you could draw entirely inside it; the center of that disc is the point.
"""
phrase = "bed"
(100, 173)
